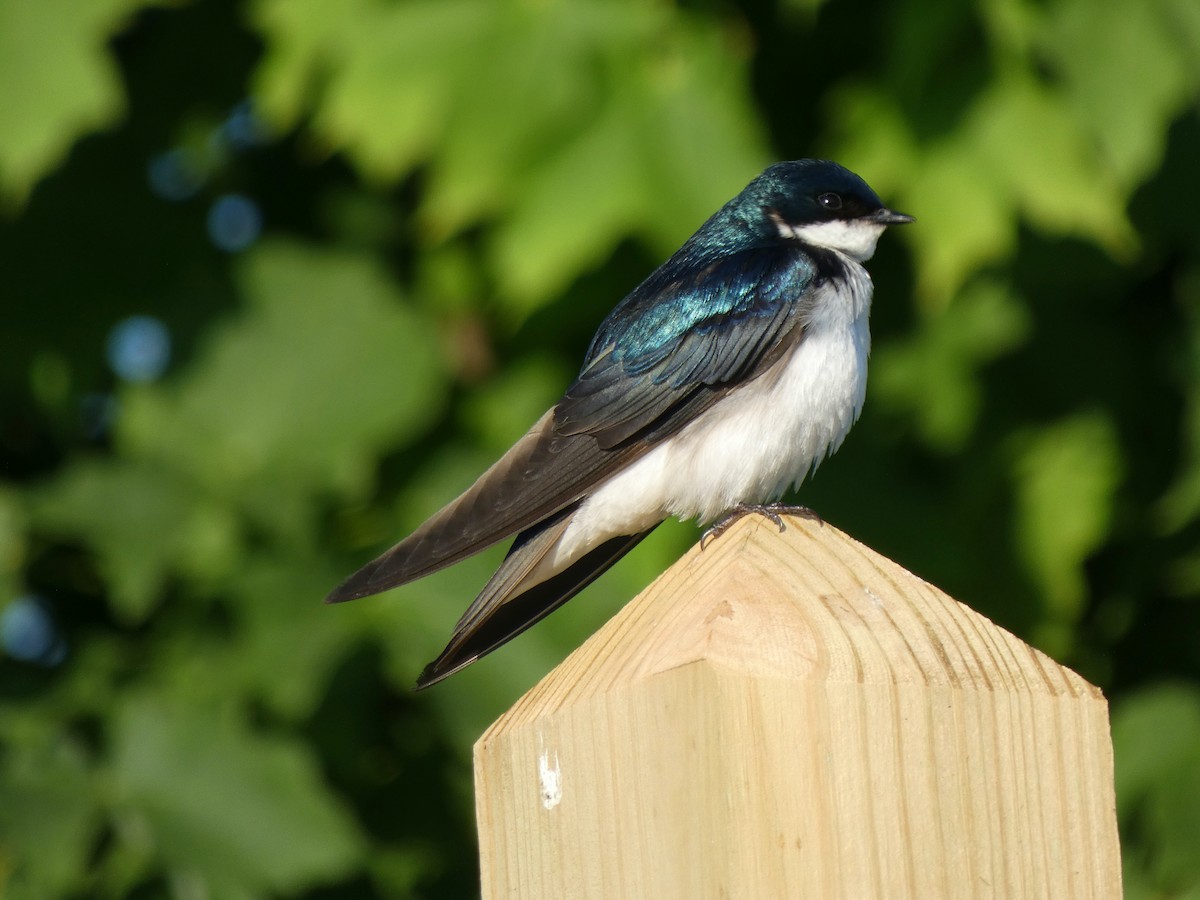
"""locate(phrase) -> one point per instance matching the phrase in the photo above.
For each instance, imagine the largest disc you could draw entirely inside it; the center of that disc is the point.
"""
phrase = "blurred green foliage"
(453, 193)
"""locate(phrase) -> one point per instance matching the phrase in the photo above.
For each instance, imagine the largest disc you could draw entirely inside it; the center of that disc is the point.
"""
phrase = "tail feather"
(508, 605)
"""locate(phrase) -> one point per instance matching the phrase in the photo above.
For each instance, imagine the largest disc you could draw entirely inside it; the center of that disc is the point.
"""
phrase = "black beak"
(887, 216)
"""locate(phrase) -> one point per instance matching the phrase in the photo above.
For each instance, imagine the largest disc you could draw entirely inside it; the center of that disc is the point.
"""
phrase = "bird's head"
(817, 202)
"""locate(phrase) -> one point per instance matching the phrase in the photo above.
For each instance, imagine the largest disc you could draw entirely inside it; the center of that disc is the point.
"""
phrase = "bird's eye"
(830, 200)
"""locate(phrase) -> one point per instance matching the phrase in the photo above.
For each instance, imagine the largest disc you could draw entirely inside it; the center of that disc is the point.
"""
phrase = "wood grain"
(792, 715)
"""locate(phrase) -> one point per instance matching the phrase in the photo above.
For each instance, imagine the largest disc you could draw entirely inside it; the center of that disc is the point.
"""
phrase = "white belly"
(751, 445)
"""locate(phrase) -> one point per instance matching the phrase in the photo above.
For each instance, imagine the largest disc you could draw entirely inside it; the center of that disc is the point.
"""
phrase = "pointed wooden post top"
(789, 714)
(808, 603)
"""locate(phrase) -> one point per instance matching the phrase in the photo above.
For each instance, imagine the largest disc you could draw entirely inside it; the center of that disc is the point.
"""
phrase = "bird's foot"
(773, 511)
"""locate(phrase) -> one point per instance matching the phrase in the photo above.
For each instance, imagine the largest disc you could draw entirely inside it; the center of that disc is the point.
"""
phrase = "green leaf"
(241, 815)
(1175, 817)
(388, 73)
(704, 142)
(595, 119)
(548, 67)
(324, 370)
(1156, 741)
(932, 376)
(1147, 77)
(872, 135)
(1066, 477)
(288, 640)
(143, 522)
(48, 818)
(583, 200)
(967, 219)
(60, 82)
(1019, 150)
(672, 139)
(1171, 713)
(1058, 180)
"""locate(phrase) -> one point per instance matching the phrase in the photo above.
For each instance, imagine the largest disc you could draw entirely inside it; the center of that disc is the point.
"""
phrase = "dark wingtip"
(357, 585)
(441, 669)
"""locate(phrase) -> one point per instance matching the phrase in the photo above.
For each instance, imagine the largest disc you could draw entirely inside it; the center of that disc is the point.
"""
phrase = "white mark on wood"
(874, 598)
(550, 778)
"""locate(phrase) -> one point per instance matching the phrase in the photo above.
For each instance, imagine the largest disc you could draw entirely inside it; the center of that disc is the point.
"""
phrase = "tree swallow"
(718, 382)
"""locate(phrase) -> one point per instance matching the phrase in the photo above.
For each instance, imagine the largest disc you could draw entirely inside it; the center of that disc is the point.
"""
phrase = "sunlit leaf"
(703, 141)
(967, 219)
(60, 81)
(1147, 77)
(594, 121)
(1057, 180)
(549, 67)
(387, 74)
(583, 200)
(671, 141)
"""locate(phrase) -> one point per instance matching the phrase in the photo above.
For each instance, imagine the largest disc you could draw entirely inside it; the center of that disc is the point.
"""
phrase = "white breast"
(753, 444)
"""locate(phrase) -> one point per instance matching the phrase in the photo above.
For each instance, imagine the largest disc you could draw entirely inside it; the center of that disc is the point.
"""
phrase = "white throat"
(856, 238)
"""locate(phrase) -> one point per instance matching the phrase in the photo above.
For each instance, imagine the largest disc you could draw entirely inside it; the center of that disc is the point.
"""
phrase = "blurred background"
(279, 277)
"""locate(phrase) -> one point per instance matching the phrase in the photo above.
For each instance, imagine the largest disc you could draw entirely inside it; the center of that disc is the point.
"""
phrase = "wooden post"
(791, 715)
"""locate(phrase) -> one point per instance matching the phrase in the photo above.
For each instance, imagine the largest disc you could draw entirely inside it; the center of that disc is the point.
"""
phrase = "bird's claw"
(773, 511)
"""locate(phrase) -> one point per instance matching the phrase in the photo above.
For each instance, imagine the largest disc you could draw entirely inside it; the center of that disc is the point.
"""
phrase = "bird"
(714, 386)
